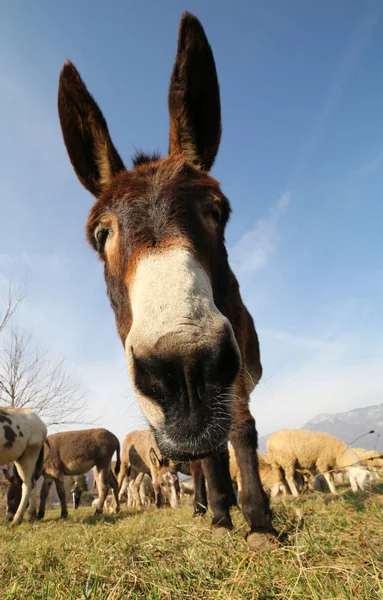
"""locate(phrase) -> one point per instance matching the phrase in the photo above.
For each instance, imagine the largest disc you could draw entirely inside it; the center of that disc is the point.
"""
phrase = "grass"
(333, 550)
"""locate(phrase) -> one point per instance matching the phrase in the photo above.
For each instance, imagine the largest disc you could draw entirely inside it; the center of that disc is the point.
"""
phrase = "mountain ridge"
(352, 427)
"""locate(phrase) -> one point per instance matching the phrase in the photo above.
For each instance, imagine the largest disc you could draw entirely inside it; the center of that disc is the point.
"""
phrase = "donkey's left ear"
(7, 475)
(156, 462)
(194, 104)
(86, 136)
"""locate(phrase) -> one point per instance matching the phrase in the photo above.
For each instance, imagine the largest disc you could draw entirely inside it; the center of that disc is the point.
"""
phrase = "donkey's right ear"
(86, 136)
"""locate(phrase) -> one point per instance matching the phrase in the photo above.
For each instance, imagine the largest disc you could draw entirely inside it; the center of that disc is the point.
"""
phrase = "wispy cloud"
(256, 247)
(8, 86)
(28, 121)
(308, 376)
(29, 260)
(372, 165)
(343, 72)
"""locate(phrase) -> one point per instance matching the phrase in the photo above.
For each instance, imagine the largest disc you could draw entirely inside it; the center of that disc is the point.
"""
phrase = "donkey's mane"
(141, 158)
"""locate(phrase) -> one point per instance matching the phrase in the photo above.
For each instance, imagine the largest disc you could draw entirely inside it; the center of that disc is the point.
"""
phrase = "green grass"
(333, 550)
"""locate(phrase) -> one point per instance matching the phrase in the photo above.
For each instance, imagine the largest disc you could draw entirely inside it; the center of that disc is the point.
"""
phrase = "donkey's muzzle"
(193, 389)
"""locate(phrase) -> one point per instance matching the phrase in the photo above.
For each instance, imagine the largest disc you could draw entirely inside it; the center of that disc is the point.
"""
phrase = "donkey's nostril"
(157, 378)
(192, 379)
(224, 366)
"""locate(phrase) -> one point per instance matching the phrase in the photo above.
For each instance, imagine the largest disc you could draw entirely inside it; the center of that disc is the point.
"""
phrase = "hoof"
(64, 516)
(15, 523)
(260, 542)
(198, 514)
(220, 532)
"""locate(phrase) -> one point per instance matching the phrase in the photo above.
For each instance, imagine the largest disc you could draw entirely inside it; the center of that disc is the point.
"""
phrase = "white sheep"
(108, 504)
(293, 449)
(186, 489)
(371, 459)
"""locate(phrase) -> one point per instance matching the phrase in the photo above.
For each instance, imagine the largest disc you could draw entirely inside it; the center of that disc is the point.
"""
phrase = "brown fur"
(75, 453)
(168, 202)
(139, 456)
(194, 469)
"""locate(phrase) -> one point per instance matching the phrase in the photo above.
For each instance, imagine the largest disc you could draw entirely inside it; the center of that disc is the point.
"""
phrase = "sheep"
(186, 489)
(371, 459)
(108, 504)
(312, 451)
(265, 472)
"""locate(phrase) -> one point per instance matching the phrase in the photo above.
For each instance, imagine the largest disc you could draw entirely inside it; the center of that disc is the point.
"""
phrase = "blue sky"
(301, 161)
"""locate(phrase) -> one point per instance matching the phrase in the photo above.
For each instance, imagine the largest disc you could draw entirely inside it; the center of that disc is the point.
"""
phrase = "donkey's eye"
(216, 214)
(101, 236)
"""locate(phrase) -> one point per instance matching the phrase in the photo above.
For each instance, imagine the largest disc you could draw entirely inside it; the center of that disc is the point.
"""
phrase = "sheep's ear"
(194, 103)
(86, 136)
(156, 462)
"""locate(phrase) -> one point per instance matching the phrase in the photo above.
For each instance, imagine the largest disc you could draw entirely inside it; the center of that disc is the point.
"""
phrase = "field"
(333, 549)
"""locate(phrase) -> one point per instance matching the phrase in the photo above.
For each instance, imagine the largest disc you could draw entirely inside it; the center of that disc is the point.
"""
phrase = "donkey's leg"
(221, 494)
(26, 467)
(122, 475)
(123, 489)
(158, 498)
(44, 493)
(32, 510)
(60, 487)
(103, 488)
(114, 485)
(200, 496)
(96, 483)
(130, 499)
(135, 488)
(26, 489)
(255, 503)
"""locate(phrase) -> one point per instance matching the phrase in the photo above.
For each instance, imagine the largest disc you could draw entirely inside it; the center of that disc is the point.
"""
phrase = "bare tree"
(30, 379)
(15, 295)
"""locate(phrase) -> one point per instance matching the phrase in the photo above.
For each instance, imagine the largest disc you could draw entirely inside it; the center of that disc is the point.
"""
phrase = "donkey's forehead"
(171, 179)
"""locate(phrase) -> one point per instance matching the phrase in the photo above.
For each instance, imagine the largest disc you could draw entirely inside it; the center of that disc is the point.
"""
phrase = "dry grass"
(333, 550)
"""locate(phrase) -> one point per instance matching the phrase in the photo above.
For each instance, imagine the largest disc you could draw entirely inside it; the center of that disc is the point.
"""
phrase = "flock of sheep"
(296, 460)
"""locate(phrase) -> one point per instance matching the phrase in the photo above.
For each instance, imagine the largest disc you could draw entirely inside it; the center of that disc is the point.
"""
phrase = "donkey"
(140, 455)
(22, 435)
(194, 469)
(75, 453)
(110, 501)
(191, 348)
(145, 491)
